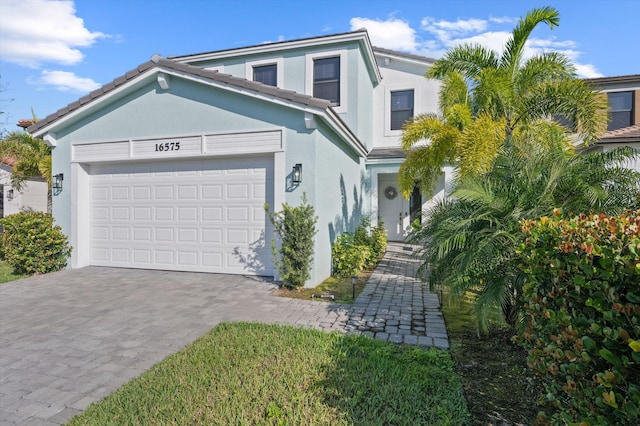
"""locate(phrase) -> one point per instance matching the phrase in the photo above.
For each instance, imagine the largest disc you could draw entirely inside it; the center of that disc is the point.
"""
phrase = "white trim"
(344, 75)
(50, 139)
(377, 161)
(99, 155)
(80, 215)
(278, 62)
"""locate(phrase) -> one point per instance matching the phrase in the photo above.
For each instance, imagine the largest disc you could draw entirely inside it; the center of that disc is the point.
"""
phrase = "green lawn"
(6, 273)
(248, 373)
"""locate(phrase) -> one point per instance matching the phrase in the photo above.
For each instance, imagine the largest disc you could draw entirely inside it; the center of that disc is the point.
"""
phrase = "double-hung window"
(401, 108)
(621, 109)
(326, 79)
(267, 74)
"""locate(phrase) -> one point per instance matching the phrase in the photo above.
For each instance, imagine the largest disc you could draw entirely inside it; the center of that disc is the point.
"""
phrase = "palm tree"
(32, 156)
(470, 241)
(497, 100)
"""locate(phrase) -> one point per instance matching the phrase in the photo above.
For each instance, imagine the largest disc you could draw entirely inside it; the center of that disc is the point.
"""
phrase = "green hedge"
(582, 315)
(32, 244)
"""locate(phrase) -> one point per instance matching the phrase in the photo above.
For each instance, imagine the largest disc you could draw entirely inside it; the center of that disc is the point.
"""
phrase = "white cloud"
(587, 71)
(33, 32)
(435, 37)
(65, 81)
(393, 33)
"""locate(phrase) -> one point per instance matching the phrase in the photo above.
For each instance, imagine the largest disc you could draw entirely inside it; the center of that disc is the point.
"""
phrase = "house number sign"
(168, 146)
(160, 148)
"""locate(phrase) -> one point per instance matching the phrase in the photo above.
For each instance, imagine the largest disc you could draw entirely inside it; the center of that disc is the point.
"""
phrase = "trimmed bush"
(582, 315)
(350, 258)
(354, 252)
(32, 244)
(295, 228)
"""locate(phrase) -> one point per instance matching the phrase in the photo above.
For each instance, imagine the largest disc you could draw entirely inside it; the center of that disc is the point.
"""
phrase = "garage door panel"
(204, 215)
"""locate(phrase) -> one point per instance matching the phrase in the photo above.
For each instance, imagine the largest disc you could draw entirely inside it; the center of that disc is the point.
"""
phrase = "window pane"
(267, 74)
(326, 79)
(619, 119)
(328, 90)
(326, 69)
(401, 108)
(402, 100)
(620, 100)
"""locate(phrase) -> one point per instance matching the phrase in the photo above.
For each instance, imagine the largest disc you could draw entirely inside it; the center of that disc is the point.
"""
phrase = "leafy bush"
(582, 315)
(295, 227)
(350, 258)
(354, 252)
(32, 244)
(378, 241)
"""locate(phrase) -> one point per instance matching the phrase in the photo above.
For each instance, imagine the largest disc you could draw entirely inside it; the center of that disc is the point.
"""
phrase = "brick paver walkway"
(70, 338)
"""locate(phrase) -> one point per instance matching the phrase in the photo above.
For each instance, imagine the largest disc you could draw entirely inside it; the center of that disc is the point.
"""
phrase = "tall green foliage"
(32, 155)
(469, 241)
(582, 315)
(489, 100)
(295, 228)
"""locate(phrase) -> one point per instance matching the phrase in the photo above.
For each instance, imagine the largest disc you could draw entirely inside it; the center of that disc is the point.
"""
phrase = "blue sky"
(53, 52)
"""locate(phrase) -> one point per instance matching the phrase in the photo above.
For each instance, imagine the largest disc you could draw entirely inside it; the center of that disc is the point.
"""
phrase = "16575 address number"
(168, 146)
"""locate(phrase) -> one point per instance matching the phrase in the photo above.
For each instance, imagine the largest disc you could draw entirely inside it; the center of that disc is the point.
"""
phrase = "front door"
(392, 208)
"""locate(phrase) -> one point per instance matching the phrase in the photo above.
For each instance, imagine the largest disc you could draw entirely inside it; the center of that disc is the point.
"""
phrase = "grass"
(498, 387)
(248, 373)
(6, 273)
(341, 289)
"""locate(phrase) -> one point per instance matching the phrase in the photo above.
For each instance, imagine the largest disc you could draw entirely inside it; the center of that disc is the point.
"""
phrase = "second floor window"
(267, 74)
(401, 108)
(326, 79)
(620, 112)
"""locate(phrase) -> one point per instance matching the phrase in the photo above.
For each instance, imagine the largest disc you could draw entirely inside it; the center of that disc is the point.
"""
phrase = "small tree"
(295, 228)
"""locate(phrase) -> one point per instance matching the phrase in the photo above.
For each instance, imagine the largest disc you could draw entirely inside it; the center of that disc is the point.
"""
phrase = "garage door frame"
(220, 145)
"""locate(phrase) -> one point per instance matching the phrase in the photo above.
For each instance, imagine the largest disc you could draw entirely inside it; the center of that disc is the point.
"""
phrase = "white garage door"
(195, 215)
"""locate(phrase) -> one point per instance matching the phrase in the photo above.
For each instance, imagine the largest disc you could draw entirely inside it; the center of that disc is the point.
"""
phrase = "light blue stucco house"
(169, 166)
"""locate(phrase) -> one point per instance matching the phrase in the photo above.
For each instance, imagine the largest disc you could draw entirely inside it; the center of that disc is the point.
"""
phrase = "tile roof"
(625, 134)
(631, 78)
(386, 153)
(8, 161)
(159, 62)
(384, 51)
(266, 45)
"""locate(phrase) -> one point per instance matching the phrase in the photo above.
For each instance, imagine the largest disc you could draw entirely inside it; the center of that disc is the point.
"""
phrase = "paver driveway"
(70, 338)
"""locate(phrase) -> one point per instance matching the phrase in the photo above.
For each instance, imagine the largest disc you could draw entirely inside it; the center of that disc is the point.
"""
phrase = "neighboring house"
(170, 166)
(623, 93)
(31, 197)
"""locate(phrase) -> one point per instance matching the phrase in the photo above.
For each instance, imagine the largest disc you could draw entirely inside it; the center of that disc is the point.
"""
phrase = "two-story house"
(170, 165)
(623, 95)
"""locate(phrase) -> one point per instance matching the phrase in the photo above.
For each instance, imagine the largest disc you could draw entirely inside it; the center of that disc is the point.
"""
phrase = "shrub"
(32, 244)
(378, 239)
(350, 258)
(582, 315)
(295, 228)
(354, 252)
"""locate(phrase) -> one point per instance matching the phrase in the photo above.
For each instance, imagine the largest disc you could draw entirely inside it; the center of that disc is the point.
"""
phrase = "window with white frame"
(326, 79)
(266, 74)
(401, 108)
(620, 110)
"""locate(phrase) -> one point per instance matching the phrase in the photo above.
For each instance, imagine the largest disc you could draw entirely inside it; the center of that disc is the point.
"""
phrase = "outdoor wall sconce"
(56, 184)
(296, 176)
(10, 195)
